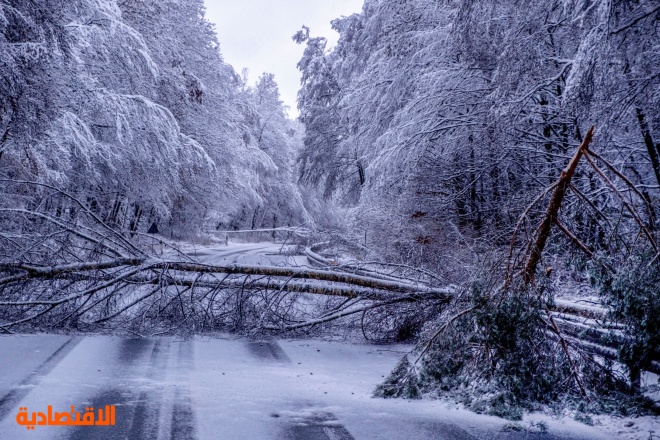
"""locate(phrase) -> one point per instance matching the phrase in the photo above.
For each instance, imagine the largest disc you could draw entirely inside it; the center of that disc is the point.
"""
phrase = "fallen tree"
(62, 266)
(505, 346)
(121, 278)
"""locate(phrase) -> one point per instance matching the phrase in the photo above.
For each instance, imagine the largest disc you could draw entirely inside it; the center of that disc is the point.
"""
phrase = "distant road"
(235, 253)
(226, 388)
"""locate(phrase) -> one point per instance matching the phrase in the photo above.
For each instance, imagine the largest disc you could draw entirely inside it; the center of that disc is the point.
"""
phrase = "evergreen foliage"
(502, 359)
(633, 300)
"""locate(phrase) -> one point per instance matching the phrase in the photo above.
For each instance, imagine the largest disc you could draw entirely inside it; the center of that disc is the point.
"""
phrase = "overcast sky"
(257, 34)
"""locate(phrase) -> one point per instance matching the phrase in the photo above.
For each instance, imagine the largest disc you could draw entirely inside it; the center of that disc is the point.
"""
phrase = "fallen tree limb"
(574, 239)
(112, 282)
(342, 314)
(34, 271)
(564, 346)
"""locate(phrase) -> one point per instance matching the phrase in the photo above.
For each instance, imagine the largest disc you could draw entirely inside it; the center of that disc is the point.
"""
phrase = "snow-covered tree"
(450, 117)
(130, 106)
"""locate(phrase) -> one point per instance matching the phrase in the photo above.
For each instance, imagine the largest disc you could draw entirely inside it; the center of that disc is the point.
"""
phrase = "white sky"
(257, 34)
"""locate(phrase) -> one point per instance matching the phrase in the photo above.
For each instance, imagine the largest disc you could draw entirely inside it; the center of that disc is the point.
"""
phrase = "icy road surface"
(227, 388)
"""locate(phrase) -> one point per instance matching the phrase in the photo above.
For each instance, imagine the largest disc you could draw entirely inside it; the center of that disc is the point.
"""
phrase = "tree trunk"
(543, 231)
(652, 148)
(635, 379)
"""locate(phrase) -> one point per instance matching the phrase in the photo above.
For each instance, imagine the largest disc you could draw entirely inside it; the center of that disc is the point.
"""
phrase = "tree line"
(438, 122)
(130, 106)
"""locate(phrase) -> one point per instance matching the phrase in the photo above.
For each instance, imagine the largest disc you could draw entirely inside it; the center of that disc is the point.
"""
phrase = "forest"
(481, 160)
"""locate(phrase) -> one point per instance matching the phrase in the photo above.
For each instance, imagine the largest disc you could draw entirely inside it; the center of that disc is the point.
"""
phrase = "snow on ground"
(640, 428)
(643, 428)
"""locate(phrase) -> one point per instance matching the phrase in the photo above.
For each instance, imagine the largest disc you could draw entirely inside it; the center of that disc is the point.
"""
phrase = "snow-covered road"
(228, 388)
(268, 254)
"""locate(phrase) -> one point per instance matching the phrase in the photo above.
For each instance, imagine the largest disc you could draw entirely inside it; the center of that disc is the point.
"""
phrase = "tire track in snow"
(138, 413)
(147, 412)
(183, 416)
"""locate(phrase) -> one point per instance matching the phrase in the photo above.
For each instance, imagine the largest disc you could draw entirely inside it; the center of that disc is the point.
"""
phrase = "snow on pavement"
(224, 387)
